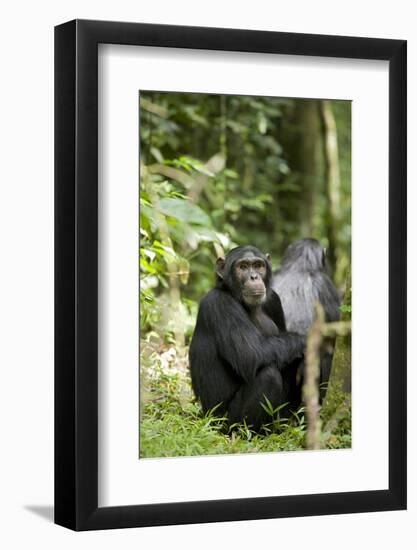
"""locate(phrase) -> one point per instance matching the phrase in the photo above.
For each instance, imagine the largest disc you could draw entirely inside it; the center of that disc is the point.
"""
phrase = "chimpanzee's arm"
(273, 308)
(239, 342)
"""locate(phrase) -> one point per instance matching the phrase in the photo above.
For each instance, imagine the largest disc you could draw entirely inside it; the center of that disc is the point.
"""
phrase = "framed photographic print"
(230, 253)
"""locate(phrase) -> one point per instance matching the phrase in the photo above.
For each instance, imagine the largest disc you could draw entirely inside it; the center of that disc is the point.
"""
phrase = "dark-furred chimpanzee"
(301, 281)
(240, 350)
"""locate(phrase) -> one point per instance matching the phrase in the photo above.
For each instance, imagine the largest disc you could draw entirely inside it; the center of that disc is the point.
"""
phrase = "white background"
(26, 302)
(123, 479)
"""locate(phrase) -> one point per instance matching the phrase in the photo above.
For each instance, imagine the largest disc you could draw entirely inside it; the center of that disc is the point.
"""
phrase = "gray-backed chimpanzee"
(240, 351)
(301, 281)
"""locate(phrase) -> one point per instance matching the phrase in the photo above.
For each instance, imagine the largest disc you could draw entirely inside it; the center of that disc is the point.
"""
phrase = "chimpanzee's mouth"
(254, 294)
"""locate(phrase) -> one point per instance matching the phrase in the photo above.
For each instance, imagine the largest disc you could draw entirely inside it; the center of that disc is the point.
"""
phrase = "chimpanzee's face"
(250, 273)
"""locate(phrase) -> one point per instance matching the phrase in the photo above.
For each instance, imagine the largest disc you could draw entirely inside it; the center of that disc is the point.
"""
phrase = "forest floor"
(172, 423)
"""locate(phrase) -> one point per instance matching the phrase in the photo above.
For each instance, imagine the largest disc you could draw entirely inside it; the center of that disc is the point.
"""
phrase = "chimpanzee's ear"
(268, 257)
(220, 262)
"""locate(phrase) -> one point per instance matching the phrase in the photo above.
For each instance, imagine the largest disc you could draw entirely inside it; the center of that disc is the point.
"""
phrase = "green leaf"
(184, 211)
(143, 232)
(146, 267)
(262, 123)
(149, 253)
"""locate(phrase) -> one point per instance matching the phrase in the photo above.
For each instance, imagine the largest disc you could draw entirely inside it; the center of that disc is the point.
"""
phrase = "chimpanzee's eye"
(258, 265)
(243, 266)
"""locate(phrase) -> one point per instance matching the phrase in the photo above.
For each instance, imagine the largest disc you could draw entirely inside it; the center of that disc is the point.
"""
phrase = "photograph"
(209, 258)
(245, 274)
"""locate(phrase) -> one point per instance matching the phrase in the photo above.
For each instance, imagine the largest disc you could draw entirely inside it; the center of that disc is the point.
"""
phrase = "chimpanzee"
(301, 281)
(240, 351)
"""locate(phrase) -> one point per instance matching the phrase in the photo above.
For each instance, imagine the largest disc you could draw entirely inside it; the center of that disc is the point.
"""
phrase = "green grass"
(172, 423)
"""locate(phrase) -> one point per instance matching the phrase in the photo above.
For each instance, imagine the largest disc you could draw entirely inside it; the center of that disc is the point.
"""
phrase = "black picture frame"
(76, 272)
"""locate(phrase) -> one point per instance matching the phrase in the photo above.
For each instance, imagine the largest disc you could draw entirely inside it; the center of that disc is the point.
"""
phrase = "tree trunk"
(308, 163)
(301, 137)
(341, 369)
(338, 398)
(332, 178)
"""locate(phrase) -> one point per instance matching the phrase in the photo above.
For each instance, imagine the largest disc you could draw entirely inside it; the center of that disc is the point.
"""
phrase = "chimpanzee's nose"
(254, 276)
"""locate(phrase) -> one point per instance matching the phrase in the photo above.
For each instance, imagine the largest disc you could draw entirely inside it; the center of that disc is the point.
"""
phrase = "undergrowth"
(172, 423)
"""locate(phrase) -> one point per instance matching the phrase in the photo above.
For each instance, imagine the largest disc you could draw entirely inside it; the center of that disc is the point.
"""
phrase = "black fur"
(239, 354)
(302, 281)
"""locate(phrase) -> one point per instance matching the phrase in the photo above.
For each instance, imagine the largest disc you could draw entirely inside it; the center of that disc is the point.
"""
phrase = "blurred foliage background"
(218, 171)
